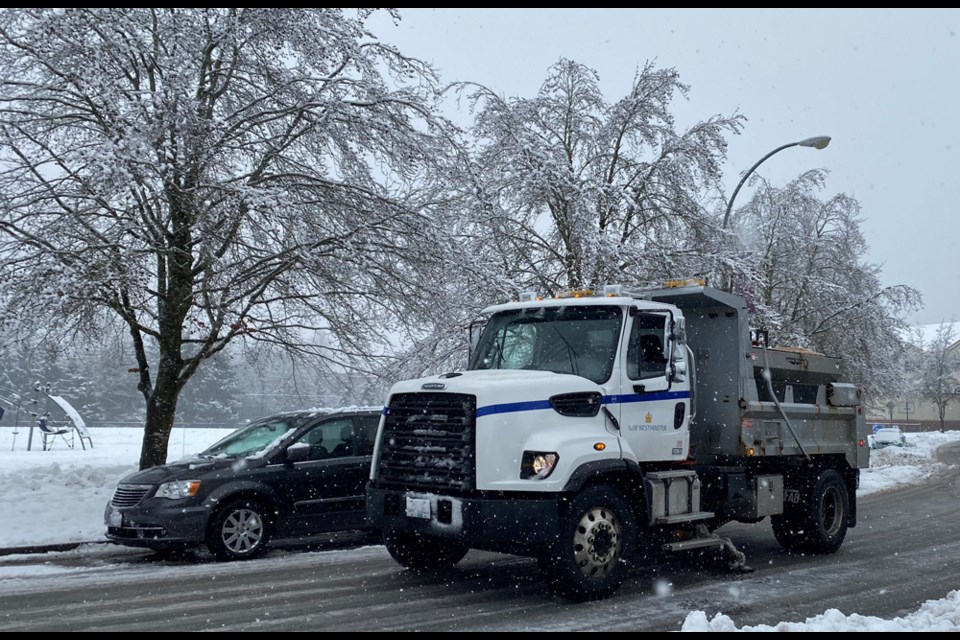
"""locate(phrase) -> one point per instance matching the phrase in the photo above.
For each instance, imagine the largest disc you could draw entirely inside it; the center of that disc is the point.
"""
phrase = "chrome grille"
(128, 495)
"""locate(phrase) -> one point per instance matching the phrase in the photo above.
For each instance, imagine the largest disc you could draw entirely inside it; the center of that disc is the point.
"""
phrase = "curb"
(47, 548)
(329, 540)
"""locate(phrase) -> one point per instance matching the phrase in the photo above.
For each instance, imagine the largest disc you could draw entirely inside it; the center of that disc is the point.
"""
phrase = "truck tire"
(239, 531)
(589, 559)
(818, 523)
(422, 552)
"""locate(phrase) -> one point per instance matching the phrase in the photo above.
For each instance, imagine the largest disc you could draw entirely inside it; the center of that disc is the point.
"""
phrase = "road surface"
(904, 551)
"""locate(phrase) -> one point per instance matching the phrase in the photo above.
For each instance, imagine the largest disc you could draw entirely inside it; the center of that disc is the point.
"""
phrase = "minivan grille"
(128, 495)
(429, 442)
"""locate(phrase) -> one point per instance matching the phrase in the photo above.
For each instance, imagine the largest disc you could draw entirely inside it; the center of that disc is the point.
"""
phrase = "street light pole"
(817, 142)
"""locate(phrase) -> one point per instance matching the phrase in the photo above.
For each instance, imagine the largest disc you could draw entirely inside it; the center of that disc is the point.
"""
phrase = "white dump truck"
(592, 430)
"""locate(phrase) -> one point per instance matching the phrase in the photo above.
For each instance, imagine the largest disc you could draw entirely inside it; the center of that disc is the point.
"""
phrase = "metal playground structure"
(47, 416)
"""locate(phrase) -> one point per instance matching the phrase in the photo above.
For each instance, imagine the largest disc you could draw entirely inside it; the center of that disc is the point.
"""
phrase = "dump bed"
(736, 412)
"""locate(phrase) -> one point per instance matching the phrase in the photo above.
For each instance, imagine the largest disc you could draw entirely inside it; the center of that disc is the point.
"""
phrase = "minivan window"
(253, 438)
(368, 433)
(331, 439)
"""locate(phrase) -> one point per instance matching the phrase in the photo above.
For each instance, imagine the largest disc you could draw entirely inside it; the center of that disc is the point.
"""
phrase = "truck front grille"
(429, 442)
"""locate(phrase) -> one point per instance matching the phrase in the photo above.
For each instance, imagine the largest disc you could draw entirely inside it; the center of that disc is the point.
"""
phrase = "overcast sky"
(883, 83)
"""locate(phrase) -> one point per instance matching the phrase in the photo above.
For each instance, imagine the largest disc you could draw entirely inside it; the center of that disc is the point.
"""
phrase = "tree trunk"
(161, 412)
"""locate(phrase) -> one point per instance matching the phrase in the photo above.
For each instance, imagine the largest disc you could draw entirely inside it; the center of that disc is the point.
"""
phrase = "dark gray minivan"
(289, 475)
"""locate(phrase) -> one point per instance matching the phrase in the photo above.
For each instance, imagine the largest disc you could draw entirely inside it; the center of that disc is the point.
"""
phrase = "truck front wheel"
(415, 550)
(819, 522)
(588, 561)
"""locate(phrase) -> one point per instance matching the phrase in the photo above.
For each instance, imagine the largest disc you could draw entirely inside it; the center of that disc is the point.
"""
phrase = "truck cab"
(620, 364)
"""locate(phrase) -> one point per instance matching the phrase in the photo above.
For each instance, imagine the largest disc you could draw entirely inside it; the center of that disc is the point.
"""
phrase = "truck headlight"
(178, 490)
(538, 464)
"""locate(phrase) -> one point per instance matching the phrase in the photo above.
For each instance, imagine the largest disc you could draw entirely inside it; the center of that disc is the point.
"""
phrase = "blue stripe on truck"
(533, 405)
(646, 397)
(538, 405)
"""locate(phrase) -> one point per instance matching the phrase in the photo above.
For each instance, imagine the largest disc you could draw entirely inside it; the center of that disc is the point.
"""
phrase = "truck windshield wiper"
(498, 345)
(571, 352)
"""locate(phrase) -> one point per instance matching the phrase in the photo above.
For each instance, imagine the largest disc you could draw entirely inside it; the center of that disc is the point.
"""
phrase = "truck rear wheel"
(419, 551)
(597, 535)
(819, 522)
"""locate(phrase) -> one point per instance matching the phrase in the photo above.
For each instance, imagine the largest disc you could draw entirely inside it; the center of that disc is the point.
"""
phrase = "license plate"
(115, 518)
(418, 508)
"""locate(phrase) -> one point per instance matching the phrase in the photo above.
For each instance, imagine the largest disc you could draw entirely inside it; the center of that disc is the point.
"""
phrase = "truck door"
(654, 405)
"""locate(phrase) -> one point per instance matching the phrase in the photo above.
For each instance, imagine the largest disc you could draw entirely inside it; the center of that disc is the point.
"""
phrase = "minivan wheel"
(239, 531)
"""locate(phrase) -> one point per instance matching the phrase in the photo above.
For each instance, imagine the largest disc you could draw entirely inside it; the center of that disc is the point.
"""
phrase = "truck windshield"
(580, 340)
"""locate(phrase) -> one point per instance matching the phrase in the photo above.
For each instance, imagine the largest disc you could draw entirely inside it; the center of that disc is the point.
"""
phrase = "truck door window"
(646, 357)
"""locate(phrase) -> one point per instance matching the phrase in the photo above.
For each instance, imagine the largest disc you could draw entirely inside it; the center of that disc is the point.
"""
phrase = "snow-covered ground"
(58, 496)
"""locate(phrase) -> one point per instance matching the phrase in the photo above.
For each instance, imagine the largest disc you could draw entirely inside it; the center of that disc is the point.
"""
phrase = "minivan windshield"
(253, 438)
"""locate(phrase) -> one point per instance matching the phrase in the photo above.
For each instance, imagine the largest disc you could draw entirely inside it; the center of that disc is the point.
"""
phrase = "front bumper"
(157, 524)
(494, 522)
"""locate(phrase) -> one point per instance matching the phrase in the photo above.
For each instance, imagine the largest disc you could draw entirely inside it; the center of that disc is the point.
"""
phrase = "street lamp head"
(817, 142)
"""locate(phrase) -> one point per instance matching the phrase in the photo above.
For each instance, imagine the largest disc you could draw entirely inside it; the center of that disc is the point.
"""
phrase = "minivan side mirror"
(298, 452)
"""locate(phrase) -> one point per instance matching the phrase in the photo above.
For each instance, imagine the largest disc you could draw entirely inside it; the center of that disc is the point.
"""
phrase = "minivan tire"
(239, 531)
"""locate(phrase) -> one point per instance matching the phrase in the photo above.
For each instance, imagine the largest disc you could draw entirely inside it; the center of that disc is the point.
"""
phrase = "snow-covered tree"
(574, 191)
(809, 282)
(939, 368)
(210, 176)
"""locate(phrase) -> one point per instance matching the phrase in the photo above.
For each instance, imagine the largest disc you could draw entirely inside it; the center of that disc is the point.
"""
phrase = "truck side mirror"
(678, 371)
(476, 329)
(676, 366)
(680, 329)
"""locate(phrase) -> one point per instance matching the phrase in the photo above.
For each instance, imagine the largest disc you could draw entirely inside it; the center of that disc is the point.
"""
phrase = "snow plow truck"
(596, 429)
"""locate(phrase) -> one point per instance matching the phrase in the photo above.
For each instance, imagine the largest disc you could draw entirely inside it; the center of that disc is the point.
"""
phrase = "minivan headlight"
(179, 489)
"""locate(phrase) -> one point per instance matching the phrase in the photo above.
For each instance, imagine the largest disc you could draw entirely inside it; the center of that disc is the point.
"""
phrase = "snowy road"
(904, 551)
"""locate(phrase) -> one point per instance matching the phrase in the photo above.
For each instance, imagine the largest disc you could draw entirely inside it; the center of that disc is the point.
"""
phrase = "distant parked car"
(288, 475)
(886, 437)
